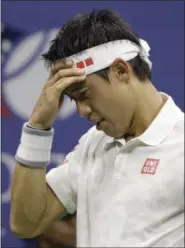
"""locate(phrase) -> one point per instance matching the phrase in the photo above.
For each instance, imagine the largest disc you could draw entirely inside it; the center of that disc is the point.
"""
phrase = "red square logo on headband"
(80, 65)
(87, 62)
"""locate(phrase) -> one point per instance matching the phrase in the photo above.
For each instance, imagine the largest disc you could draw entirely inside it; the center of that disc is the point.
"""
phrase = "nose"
(83, 108)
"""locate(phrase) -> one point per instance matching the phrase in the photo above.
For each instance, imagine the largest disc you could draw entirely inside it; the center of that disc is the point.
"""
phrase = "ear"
(120, 70)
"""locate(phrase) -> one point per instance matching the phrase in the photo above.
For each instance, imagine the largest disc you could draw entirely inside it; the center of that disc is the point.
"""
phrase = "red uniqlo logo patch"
(150, 166)
(87, 62)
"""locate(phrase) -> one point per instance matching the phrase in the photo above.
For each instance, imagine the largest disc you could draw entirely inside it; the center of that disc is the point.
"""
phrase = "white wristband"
(35, 147)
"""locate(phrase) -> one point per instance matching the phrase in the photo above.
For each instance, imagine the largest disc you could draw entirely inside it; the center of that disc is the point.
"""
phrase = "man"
(125, 177)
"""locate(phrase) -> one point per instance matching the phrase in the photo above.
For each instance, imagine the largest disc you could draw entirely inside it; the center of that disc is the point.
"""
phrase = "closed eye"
(79, 96)
(84, 95)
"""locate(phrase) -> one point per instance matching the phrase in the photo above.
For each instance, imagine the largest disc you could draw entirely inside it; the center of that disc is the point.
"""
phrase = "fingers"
(66, 73)
(59, 65)
(64, 83)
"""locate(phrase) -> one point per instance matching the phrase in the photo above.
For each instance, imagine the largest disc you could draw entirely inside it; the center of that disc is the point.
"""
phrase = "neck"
(149, 102)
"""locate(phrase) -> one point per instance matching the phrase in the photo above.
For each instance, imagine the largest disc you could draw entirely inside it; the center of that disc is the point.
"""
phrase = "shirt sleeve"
(63, 180)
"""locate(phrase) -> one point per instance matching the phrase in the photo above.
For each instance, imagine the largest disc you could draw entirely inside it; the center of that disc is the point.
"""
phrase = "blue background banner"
(28, 27)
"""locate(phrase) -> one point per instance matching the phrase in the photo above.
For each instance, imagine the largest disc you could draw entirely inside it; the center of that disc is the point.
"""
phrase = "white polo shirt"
(127, 194)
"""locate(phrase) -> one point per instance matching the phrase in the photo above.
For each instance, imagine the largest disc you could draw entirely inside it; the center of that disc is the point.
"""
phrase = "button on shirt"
(127, 194)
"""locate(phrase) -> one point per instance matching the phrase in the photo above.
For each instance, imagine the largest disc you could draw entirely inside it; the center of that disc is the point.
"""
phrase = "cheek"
(108, 102)
(102, 101)
(107, 108)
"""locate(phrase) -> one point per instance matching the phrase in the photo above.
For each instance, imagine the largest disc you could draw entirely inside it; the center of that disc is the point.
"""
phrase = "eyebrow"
(75, 92)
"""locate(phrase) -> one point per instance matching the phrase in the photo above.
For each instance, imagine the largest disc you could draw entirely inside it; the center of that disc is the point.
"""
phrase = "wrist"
(38, 126)
(35, 147)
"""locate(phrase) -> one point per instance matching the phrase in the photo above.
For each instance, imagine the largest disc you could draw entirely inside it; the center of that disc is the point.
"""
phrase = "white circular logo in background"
(22, 91)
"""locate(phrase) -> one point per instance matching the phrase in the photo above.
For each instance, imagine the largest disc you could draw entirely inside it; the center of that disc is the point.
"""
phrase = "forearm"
(28, 198)
(34, 206)
(60, 233)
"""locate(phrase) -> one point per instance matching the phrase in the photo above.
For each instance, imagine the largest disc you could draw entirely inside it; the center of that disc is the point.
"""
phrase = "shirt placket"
(123, 152)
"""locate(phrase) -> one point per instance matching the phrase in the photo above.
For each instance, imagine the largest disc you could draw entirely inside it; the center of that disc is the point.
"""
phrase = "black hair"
(87, 30)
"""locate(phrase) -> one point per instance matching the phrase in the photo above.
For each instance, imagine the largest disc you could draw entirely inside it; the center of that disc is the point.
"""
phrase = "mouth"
(99, 123)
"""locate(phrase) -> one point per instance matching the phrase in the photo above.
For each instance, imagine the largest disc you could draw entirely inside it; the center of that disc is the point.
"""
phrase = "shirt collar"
(161, 126)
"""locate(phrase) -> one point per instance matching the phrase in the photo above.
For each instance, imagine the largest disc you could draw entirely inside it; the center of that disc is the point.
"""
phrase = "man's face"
(110, 104)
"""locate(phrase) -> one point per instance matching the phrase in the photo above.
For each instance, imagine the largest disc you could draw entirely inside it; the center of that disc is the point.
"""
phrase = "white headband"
(102, 56)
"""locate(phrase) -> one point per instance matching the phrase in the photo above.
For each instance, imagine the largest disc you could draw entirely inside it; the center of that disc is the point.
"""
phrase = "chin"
(113, 133)
(110, 130)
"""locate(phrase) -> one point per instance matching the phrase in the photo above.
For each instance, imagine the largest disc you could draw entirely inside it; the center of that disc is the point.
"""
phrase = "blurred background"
(26, 30)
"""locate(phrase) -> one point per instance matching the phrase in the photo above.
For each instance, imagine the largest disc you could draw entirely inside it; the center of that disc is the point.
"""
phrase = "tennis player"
(125, 178)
